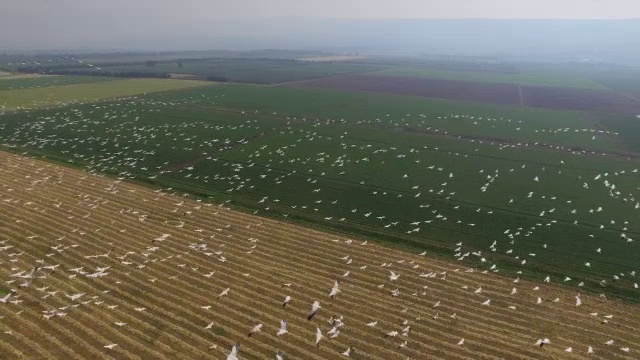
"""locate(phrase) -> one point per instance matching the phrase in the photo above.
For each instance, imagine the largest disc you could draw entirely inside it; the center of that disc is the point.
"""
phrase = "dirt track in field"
(52, 215)
(492, 93)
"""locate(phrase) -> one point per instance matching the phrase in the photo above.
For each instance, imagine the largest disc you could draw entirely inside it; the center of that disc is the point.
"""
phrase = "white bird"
(347, 352)
(487, 302)
(286, 301)
(255, 329)
(75, 297)
(279, 355)
(314, 310)
(590, 350)
(393, 276)
(283, 328)
(542, 342)
(209, 326)
(578, 300)
(334, 290)
(5, 298)
(233, 355)
(569, 349)
(461, 342)
(224, 292)
(373, 323)
(318, 336)
(110, 346)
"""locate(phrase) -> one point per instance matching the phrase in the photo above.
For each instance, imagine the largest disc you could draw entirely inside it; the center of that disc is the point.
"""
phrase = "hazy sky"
(165, 10)
(205, 24)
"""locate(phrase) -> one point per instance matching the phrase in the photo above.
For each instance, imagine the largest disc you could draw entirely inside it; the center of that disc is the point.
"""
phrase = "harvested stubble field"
(153, 295)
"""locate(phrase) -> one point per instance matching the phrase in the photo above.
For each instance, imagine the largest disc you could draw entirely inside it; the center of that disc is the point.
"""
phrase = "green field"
(525, 77)
(84, 92)
(628, 128)
(377, 166)
(47, 81)
(514, 124)
(616, 78)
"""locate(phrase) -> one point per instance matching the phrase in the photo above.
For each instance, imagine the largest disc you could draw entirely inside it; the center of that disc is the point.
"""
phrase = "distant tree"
(179, 64)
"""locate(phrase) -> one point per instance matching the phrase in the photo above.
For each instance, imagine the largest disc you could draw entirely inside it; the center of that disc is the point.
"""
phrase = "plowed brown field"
(59, 219)
(493, 93)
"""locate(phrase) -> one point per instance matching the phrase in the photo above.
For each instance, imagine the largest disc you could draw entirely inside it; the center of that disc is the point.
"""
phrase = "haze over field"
(554, 31)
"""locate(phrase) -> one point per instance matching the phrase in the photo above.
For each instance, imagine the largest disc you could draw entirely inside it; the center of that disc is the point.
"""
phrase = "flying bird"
(5, 298)
(283, 328)
(255, 329)
(335, 290)
(233, 355)
(318, 336)
(314, 310)
(224, 292)
(347, 352)
(542, 342)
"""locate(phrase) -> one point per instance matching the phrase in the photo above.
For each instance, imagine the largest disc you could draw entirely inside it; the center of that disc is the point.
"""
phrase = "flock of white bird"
(119, 138)
(131, 147)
